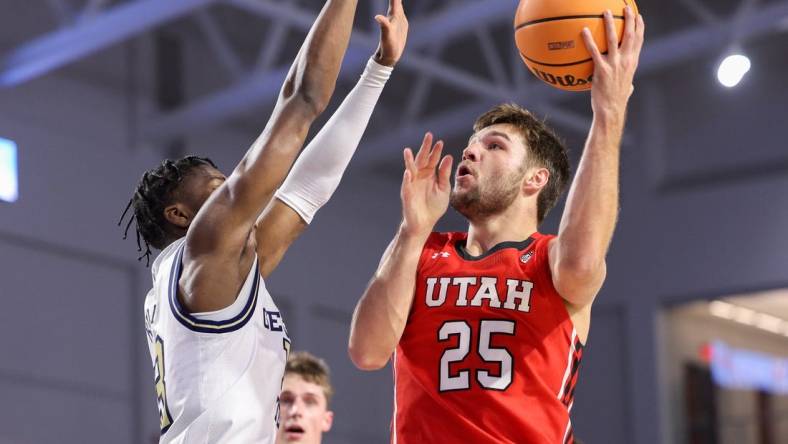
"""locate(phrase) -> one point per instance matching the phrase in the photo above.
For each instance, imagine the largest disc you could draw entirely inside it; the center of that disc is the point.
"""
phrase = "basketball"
(549, 37)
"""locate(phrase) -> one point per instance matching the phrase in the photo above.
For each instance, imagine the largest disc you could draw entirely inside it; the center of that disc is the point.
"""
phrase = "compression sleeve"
(318, 170)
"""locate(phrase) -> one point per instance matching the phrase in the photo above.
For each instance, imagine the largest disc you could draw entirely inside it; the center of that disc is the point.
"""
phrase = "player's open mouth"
(464, 171)
(294, 431)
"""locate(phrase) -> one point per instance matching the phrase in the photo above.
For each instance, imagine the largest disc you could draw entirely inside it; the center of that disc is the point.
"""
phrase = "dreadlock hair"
(155, 191)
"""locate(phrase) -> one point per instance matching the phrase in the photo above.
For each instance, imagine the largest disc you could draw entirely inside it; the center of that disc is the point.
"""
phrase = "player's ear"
(328, 421)
(178, 215)
(535, 179)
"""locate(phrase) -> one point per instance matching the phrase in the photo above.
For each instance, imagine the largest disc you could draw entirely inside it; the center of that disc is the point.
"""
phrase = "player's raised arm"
(217, 240)
(380, 316)
(577, 255)
(320, 167)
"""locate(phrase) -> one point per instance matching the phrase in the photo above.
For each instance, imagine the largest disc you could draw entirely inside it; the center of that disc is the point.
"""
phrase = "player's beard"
(485, 200)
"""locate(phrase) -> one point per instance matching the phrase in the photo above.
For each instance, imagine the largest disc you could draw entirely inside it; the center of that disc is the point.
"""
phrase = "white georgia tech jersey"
(218, 375)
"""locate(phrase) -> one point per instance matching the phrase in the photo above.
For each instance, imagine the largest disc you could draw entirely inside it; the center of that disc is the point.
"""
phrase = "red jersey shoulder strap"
(541, 249)
(541, 260)
(436, 242)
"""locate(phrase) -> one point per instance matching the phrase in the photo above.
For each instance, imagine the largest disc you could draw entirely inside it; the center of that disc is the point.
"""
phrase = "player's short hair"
(546, 150)
(155, 191)
(311, 369)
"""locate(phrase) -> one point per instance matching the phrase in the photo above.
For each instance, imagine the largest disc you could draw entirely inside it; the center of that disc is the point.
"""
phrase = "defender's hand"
(425, 194)
(393, 34)
(613, 73)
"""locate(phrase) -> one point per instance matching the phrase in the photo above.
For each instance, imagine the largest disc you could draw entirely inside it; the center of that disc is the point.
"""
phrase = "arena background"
(94, 92)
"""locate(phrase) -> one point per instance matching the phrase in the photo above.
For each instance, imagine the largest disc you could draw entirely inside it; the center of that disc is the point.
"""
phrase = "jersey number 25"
(499, 356)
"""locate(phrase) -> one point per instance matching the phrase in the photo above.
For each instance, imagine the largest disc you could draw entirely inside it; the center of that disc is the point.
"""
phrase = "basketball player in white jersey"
(217, 340)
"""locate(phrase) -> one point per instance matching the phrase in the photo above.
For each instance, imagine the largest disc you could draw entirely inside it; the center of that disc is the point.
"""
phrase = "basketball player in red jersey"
(486, 328)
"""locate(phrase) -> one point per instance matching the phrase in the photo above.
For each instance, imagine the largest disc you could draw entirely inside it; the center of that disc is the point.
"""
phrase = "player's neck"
(512, 225)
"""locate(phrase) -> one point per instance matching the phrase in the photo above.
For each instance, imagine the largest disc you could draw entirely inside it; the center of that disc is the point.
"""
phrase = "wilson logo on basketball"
(565, 80)
(555, 46)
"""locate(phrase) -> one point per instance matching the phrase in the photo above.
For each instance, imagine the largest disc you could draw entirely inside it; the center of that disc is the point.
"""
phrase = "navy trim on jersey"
(519, 246)
(203, 325)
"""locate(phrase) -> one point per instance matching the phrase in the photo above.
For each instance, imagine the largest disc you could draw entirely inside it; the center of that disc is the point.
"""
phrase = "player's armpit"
(217, 241)
(276, 229)
(578, 282)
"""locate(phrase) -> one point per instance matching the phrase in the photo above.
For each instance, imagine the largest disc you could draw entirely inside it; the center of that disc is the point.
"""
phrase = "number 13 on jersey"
(161, 388)
(501, 357)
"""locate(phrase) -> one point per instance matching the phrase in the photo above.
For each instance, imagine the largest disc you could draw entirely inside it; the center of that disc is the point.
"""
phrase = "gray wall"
(703, 215)
(75, 367)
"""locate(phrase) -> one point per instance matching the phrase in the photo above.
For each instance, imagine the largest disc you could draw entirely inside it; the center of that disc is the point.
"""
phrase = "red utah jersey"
(489, 353)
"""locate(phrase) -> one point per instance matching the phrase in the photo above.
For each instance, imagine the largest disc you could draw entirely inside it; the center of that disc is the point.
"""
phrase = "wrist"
(384, 61)
(413, 235)
(377, 67)
(609, 117)
(376, 74)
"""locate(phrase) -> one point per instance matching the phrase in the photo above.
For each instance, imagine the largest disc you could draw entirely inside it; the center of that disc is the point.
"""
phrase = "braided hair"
(155, 191)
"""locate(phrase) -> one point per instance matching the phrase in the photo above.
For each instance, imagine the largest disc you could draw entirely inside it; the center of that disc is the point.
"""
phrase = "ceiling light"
(733, 69)
(721, 309)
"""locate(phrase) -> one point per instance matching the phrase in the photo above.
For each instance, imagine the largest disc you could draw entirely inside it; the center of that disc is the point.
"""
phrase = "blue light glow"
(9, 185)
(748, 370)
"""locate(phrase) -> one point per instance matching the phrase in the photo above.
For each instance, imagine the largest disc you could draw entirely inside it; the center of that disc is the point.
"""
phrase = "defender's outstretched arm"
(218, 239)
(319, 169)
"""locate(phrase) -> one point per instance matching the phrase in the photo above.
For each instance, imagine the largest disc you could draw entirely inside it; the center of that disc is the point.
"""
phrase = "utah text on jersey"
(484, 290)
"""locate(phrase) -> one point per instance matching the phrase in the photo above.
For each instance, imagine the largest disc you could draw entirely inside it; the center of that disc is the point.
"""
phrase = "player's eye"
(216, 183)
(494, 146)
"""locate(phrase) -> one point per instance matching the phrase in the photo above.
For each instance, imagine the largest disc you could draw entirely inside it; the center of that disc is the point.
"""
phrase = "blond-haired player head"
(306, 394)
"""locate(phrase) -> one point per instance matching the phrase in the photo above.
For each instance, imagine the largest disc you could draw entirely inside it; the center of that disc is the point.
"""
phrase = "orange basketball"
(548, 35)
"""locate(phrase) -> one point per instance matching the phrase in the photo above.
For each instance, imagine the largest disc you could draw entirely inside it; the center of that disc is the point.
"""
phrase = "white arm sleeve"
(318, 170)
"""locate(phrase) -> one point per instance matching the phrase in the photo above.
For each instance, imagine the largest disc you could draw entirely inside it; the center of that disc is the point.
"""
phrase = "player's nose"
(294, 409)
(471, 152)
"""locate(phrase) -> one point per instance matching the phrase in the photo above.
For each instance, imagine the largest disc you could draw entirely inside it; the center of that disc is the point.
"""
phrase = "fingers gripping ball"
(549, 36)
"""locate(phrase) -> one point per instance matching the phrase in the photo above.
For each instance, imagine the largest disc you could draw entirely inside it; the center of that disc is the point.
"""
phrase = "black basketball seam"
(563, 17)
(558, 64)
(562, 64)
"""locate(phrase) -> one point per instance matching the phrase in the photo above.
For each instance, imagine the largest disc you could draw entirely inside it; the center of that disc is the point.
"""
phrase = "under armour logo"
(442, 254)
